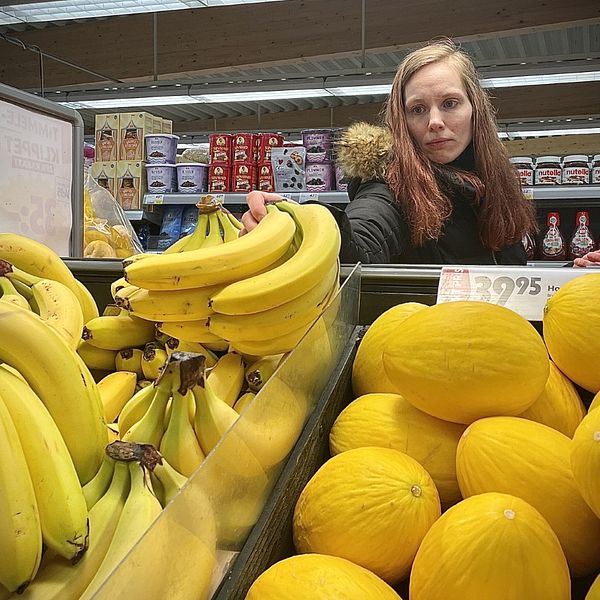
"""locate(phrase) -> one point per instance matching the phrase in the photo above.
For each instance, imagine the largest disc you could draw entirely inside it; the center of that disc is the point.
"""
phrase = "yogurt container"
(162, 179)
(161, 148)
(317, 143)
(341, 182)
(319, 177)
(191, 177)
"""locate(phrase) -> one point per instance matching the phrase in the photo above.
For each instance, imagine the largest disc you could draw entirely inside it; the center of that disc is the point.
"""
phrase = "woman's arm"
(591, 259)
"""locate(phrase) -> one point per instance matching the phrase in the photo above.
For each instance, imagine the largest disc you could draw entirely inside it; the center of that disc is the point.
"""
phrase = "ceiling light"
(522, 80)
(130, 102)
(267, 95)
(547, 132)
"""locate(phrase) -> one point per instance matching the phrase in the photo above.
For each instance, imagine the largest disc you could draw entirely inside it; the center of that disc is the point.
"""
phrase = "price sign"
(308, 197)
(154, 199)
(522, 289)
(528, 193)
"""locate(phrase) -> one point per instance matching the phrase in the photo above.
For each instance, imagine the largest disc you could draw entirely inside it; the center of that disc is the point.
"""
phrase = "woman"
(436, 185)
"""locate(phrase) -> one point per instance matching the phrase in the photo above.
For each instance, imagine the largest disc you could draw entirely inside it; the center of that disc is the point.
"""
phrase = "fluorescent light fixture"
(522, 80)
(67, 10)
(547, 132)
(362, 90)
(267, 95)
(131, 102)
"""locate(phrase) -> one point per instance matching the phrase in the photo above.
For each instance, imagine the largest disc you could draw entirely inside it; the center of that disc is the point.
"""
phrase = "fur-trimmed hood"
(364, 151)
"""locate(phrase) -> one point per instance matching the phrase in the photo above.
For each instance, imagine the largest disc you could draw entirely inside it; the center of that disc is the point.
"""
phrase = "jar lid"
(548, 159)
(596, 158)
(522, 159)
(576, 158)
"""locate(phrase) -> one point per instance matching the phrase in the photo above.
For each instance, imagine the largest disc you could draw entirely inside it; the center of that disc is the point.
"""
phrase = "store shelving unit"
(143, 215)
(231, 198)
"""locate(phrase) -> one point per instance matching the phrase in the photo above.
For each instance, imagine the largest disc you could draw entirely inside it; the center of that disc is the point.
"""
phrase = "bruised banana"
(21, 538)
(167, 306)
(58, 579)
(96, 358)
(129, 359)
(194, 240)
(118, 332)
(96, 488)
(259, 372)
(189, 331)
(116, 389)
(312, 262)
(60, 501)
(175, 345)
(227, 377)
(224, 263)
(139, 512)
(116, 286)
(153, 359)
(280, 320)
(61, 380)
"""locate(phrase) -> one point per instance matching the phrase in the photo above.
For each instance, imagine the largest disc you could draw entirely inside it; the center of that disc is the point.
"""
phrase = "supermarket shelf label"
(308, 197)
(154, 199)
(525, 290)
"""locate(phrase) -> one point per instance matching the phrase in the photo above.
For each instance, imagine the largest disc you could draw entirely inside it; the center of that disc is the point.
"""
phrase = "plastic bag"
(107, 231)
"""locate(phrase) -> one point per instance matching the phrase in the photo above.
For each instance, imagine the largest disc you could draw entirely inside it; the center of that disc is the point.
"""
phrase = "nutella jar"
(548, 170)
(596, 169)
(576, 170)
(524, 166)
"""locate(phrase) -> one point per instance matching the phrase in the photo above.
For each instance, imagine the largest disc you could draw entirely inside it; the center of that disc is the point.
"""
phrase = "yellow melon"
(389, 421)
(572, 330)
(368, 374)
(319, 577)
(371, 506)
(490, 547)
(585, 459)
(529, 460)
(595, 402)
(559, 406)
(594, 591)
(462, 361)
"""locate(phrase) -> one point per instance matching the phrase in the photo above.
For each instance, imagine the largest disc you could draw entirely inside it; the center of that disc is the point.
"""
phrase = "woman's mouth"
(439, 143)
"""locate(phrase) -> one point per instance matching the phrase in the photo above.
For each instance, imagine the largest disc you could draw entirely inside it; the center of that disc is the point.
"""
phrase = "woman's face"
(438, 112)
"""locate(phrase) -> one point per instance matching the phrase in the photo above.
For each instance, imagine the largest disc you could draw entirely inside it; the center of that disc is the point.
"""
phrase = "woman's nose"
(436, 122)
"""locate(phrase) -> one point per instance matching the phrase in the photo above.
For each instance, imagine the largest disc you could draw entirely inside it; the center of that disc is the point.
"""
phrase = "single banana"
(129, 359)
(58, 306)
(236, 223)
(136, 408)
(153, 359)
(89, 308)
(113, 432)
(192, 241)
(61, 380)
(230, 231)
(139, 512)
(117, 286)
(220, 346)
(20, 533)
(116, 389)
(96, 358)
(258, 373)
(179, 445)
(60, 501)
(309, 265)
(190, 331)
(112, 310)
(226, 378)
(220, 264)
(96, 488)
(171, 480)
(280, 320)
(243, 401)
(167, 306)
(142, 383)
(58, 579)
(278, 345)
(173, 344)
(118, 333)
(11, 295)
(213, 237)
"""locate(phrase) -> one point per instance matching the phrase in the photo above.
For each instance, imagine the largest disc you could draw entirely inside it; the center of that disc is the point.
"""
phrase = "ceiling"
(562, 48)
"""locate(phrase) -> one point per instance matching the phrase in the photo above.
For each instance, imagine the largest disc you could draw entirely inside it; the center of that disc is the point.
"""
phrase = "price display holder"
(525, 290)
(156, 199)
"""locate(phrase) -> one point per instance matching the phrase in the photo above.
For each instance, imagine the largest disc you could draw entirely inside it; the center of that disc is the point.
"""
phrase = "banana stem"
(22, 289)
(146, 454)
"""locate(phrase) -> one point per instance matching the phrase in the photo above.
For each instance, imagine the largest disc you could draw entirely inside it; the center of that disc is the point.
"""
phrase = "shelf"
(565, 204)
(143, 215)
(563, 192)
(230, 198)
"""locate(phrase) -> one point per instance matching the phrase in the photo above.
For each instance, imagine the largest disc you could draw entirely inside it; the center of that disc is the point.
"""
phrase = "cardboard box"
(132, 129)
(107, 137)
(220, 147)
(218, 178)
(130, 184)
(167, 126)
(105, 175)
(157, 124)
(243, 178)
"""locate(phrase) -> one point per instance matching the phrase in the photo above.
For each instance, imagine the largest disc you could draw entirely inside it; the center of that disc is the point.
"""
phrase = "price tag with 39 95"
(522, 289)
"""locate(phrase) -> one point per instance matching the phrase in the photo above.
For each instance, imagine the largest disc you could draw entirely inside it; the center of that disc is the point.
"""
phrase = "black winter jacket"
(374, 230)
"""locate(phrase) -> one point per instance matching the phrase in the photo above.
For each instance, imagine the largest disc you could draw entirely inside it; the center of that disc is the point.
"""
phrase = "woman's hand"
(591, 259)
(256, 208)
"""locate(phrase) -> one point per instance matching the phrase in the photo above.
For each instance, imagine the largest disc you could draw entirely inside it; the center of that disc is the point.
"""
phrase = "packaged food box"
(107, 137)
(266, 142)
(162, 179)
(161, 148)
(131, 184)
(156, 125)
(105, 175)
(132, 129)
(191, 178)
(218, 178)
(220, 145)
(289, 169)
(265, 183)
(243, 177)
(319, 176)
(244, 147)
(167, 126)
(318, 144)
(170, 228)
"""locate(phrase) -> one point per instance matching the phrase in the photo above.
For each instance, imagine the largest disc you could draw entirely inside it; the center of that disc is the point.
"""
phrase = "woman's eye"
(450, 103)
(417, 110)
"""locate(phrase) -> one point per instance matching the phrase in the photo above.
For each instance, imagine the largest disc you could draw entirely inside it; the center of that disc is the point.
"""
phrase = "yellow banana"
(259, 372)
(96, 358)
(61, 380)
(112, 310)
(20, 533)
(166, 306)
(280, 320)
(171, 480)
(61, 505)
(117, 286)
(192, 241)
(227, 377)
(309, 265)
(136, 408)
(243, 401)
(11, 295)
(230, 231)
(175, 345)
(142, 383)
(213, 238)
(236, 223)
(153, 359)
(116, 389)
(179, 445)
(89, 308)
(220, 346)
(58, 306)
(129, 359)
(139, 512)
(220, 264)
(96, 488)
(190, 331)
(278, 345)
(60, 580)
(113, 432)
(118, 333)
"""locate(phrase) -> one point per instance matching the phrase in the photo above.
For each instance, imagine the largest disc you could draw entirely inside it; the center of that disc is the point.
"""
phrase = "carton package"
(289, 168)
(167, 126)
(243, 178)
(107, 137)
(156, 124)
(218, 178)
(265, 182)
(244, 147)
(105, 175)
(132, 129)
(220, 147)
(131, 184)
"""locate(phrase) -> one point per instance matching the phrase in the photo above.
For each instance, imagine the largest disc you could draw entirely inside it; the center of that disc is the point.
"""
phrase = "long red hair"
(505, 216)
